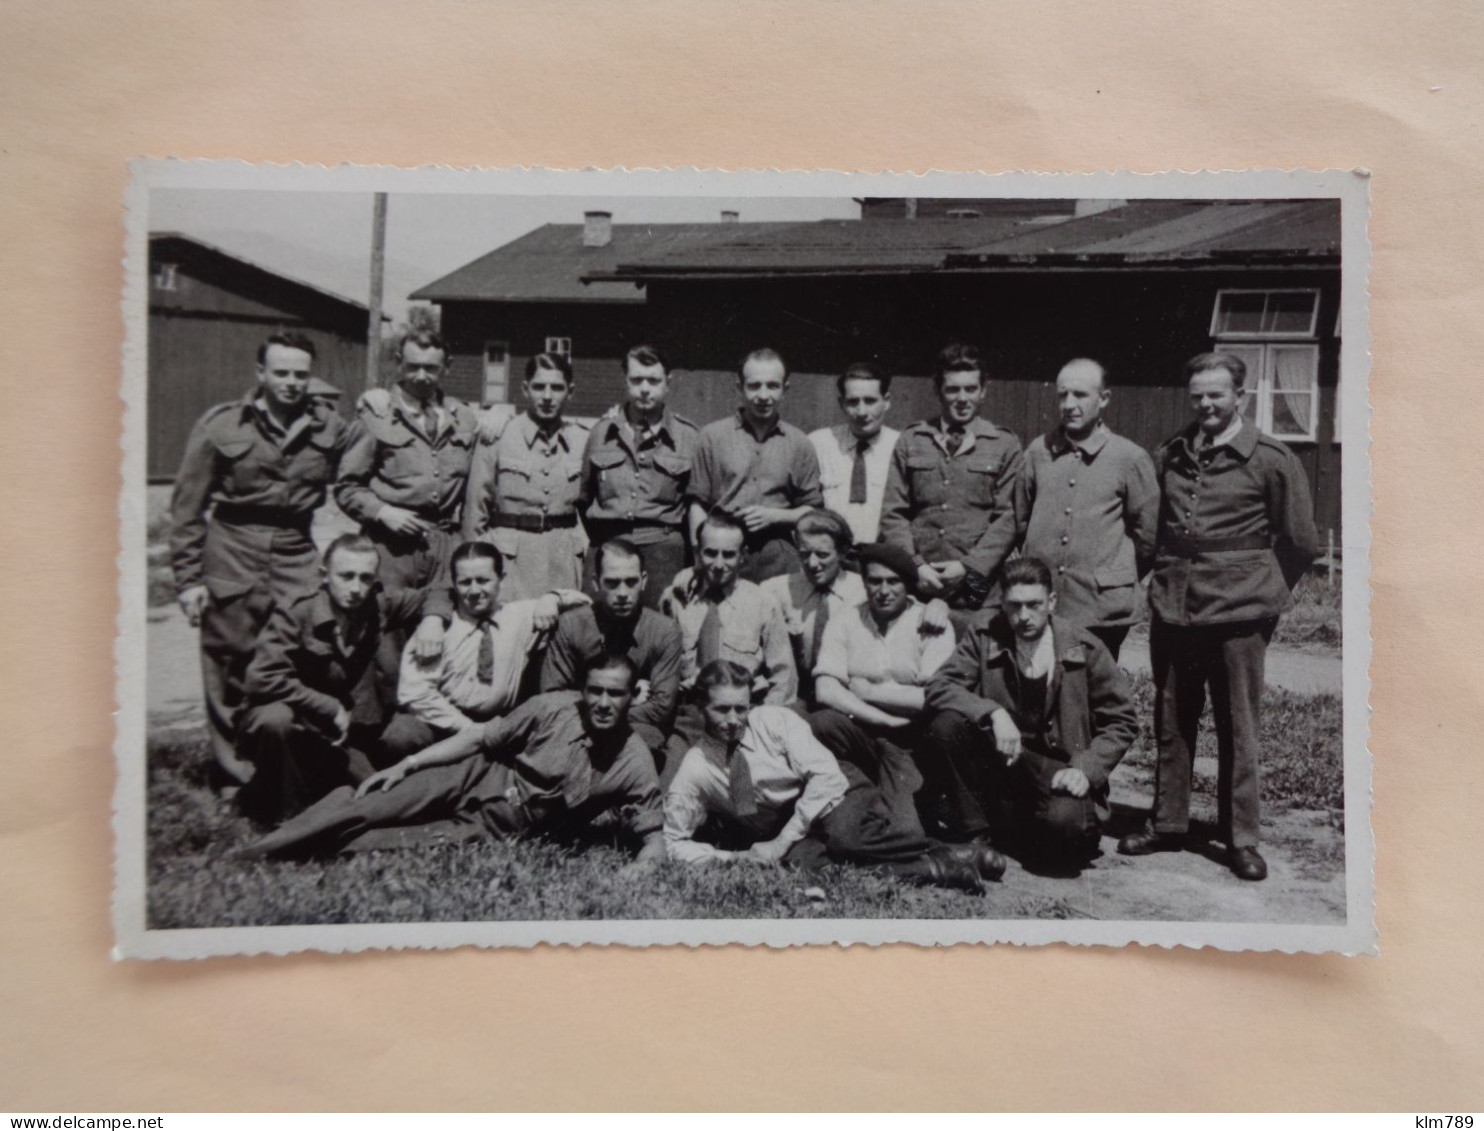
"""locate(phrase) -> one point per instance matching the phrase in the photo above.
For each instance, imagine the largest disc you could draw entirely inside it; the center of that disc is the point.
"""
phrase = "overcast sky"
(325, 238)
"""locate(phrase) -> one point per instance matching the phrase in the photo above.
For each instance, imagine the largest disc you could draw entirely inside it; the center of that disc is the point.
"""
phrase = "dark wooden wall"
(202, 347)
(1142, 326)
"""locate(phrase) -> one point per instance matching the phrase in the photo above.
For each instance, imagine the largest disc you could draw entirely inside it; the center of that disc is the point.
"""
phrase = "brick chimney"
(730, 217)
(597, 229)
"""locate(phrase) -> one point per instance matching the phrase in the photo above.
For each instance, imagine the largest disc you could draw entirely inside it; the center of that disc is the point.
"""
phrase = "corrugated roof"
(852, 245)
(1148, 231)
(212, 249)
(550, 263)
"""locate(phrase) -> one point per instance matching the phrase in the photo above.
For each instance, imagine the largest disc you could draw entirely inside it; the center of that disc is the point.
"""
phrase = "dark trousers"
(664, 557)
(863, 829)
(412, 562)
(688, 729)
(294, 765)
(426, 806)
(885, 755)
(1112, 636)
(229, 631)
(407, 734)
(771, 553)
(1229, 660)
(987, 798)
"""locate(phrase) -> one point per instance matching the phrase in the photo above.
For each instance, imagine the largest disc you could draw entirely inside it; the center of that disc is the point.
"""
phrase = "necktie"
(708, 647)
(858, 474)
(739, 782)
(486, 669)
(821, 618)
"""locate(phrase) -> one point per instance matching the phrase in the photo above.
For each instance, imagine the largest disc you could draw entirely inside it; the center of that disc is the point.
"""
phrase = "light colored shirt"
(795, 781)
(447, 694)
(1035, 658)
(854, 646)
(801, 603)
(836, 448)
(752, 634)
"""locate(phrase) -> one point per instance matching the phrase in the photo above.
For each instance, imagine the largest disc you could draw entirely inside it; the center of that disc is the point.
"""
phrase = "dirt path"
(1305, 853)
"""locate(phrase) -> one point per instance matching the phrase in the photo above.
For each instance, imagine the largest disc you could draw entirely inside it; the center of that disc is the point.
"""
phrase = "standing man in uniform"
(1087, 503)
(253, 474)
(950, 497)
(1236, 533)
(403, 476)
(758, 469)
(855, 457)
(636, 473)
(524, 485)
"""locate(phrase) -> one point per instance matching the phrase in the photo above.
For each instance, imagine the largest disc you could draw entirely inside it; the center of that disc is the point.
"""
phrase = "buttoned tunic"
(1088, 509)
(1236, 529)
(530, 477)
(836, 448)
(953, 503)
(638, 481)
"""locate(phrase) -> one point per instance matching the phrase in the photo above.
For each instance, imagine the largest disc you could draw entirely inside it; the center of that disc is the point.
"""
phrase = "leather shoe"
(1246, 864)
(1147, 843)
(982, 857)
(950, 870)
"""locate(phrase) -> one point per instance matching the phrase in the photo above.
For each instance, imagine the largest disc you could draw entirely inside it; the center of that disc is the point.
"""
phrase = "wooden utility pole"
(378, 269)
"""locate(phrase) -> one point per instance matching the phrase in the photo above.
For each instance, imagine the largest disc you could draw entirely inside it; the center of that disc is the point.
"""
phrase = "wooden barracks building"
(1141, 286)
(208, 312)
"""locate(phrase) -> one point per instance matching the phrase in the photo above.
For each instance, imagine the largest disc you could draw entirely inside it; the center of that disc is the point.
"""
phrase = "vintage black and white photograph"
(646, 558)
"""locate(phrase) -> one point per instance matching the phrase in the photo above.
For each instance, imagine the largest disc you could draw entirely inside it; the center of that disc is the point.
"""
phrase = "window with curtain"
(1273, 333)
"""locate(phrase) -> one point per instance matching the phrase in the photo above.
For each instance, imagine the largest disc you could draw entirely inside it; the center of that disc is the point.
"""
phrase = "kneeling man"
(558, 760)
(765, 778)
(312, 714)
(1059, 715)
(486, 650)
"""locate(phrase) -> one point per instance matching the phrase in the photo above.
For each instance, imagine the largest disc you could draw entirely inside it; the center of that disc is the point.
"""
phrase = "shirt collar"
(1090, 446)
(322, 612)
(1036, 660)
(775, 429)
(529, 430)
(1240, 437)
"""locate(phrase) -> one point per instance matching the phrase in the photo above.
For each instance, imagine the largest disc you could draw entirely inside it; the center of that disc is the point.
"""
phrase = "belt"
(252, 514)
(633, 524)
(535, 523)
(1182, 547)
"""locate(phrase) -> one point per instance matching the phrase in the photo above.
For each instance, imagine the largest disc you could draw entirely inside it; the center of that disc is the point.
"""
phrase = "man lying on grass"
(556, 761)
(779, 796)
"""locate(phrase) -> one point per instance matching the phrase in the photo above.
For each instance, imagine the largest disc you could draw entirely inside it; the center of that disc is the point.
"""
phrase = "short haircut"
(832, 524)
(864, 371)
(956, 357)
(621, 547)
(607, 661)
(722, 673)
(477, 551)
(1026, 571)
(1101, 368)
(423, 339)
(647, 356)
(763, 354)
(1208, 362)
(552, 363)
(350, 544)
(719, 520)
(289, 339)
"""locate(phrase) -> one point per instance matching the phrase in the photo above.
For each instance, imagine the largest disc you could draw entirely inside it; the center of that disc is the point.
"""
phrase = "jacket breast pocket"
(402, 461)
(983, 480)
(672, 478)
(925, 480)
(513, 483)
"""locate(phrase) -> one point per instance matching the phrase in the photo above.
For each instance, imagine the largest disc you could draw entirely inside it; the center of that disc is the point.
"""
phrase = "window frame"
(484, 372)
(1262, 384)
(558, 350)
(1219, 334)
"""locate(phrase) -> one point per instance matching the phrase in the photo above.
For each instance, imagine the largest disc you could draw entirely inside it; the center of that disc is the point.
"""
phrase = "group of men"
(739, 641)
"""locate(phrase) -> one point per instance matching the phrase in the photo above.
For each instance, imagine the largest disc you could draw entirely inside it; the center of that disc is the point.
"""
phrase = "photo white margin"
(133, 939)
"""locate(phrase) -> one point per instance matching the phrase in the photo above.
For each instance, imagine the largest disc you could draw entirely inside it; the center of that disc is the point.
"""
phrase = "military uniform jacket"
(1088, 510)
(394, 461)
(1090, 721)
(626, 480)
(301, 660)
(943, 505)
(268, 482)
(1236, 529)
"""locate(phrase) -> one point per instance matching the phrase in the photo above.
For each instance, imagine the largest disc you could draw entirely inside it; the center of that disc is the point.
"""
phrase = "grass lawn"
(194, 882)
